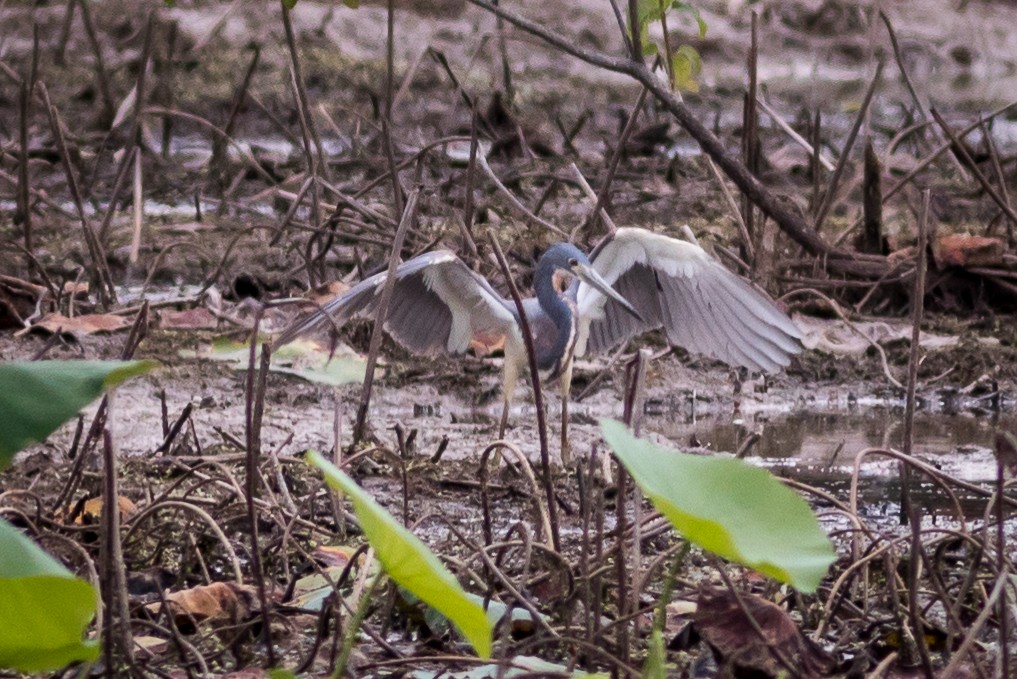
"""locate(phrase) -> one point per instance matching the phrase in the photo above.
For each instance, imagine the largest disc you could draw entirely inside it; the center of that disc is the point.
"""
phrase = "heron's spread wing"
(438, 305)
(701, 305)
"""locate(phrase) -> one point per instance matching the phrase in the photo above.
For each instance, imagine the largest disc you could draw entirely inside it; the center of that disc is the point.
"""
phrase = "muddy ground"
(219, 233)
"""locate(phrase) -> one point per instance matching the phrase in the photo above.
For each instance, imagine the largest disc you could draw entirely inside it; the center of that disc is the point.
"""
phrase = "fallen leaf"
(88, 512)
(723, 624)
(967, 251)
(333, 555)
(304, 358)
(151, 645)
(198, 318)
(86, 324)
(79, 289)
(217, 601)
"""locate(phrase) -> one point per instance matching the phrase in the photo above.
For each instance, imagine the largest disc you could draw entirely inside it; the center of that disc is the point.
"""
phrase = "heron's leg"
(566, 390)
(510, 377)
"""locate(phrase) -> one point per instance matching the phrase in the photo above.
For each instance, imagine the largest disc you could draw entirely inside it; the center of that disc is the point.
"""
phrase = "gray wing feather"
(677, 286)
(438, 305)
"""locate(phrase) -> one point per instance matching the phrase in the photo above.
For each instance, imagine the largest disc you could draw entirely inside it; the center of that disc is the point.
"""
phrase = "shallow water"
(820, 447)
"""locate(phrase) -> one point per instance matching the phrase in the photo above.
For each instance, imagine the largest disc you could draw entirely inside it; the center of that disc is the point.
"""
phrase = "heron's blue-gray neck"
(557, 310)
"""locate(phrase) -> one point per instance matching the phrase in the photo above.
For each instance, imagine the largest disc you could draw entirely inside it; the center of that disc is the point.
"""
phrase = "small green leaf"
(278, 673)
(409, 562)
(37, 397)
(730, 508)
(352, 4)
(51, 607)
(650, 11)
(692, 9)
(686, 64)
(290, 4)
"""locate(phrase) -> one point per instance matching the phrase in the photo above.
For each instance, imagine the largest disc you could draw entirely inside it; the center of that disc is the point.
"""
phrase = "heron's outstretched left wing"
(438, 305)
(676, 285)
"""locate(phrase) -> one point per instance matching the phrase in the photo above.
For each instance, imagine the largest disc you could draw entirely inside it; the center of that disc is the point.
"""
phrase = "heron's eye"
(573, 262)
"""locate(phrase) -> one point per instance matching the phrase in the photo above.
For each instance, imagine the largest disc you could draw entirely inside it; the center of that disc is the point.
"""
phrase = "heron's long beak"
(587, 275)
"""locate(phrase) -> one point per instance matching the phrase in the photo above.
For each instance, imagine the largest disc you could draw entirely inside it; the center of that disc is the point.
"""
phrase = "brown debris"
(722, 623)
(962, 250)
(198, 318)
(86, 324)
(217, 601)
(19, 300)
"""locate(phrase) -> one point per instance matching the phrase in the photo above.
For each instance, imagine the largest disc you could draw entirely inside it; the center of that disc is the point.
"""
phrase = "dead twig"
(409, 216)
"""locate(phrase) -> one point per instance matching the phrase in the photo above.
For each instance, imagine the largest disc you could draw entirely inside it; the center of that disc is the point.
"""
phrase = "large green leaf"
(44, 609)
(409, 562)
(37, 397)
(728, 507)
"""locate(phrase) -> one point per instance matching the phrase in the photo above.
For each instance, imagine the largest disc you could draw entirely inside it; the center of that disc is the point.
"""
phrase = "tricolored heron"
(439, 305)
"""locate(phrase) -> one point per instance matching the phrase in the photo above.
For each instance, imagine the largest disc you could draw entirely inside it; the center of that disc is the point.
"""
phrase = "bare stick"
(750, 142)
(114, 590)
(409, 215)
(386, 123)
(108, 106)
(254, 407)
(941, 149)
(616, 156)
(592, 195)
(538, 394)
(732, 204)
(114, 196)
(872, 201)
(997, 170)
(513, 201)
(302, 91)
(634, 36)
(134, 136)
(216, 163)
(24, 178)
(795, 137)
(471, 172)
(969, 161)
(917, 308)
(815, 199)
(838, 259)
(139, 209)
(65, 33)
(831, 189)
(107, 293)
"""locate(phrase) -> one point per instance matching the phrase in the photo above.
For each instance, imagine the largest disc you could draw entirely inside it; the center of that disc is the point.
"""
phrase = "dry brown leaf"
(87, 324)
(88, 512)
(73, 289)
(722, 623)
(198, 318)
(333, 555)
(150, 645)
(967, 251)
(217, 601)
